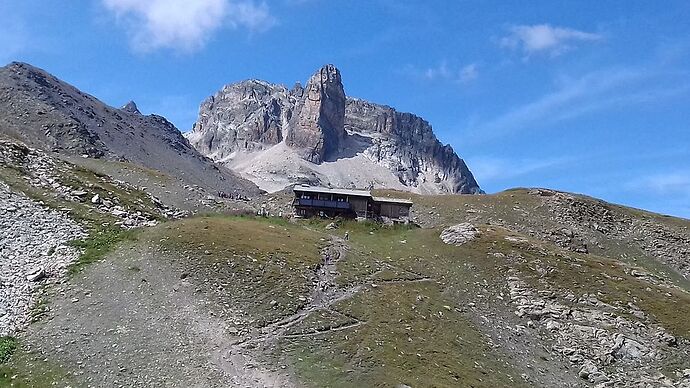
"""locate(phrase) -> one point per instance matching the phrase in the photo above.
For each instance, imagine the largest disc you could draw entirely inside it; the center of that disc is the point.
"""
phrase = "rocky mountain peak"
(318, 129)
(19, 67)
(277, 136)
(131, 107)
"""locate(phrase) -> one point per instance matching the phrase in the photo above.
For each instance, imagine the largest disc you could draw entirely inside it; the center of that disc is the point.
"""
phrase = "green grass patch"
(262, 266)
(97, 183)
(26, 370)
(411, 332)
(105, 167)
(8, 345)
(103, 233)
(99, 243)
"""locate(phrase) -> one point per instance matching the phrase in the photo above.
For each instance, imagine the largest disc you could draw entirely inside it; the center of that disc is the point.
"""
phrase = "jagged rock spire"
(281, 127)
(131, 107)
(318, 128)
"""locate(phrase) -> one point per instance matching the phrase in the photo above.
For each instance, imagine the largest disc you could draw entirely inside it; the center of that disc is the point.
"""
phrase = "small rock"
(118, 212)
(36, 275)
(588, 369)
(552, 325)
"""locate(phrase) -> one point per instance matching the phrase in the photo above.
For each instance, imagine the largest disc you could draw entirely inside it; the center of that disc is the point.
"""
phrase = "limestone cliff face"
(318, 124)
(317, 129)
(406, 143)
(245, 117)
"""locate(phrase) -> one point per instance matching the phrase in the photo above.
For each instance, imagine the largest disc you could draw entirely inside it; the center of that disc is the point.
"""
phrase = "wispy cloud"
(299, 2)
(445, 72)
(666, 192)
(675, 182)
(544, 38)
(594, 91)
(184, 25)
(492, 169)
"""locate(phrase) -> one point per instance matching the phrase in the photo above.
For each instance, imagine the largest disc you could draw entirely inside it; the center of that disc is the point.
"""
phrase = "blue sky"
(584, 96)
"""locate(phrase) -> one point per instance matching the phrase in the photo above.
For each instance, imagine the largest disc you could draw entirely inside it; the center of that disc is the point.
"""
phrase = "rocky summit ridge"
(47, 113)
(316, 134)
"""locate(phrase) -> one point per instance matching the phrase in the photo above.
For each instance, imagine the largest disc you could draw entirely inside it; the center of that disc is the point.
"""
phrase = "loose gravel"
(33, 251)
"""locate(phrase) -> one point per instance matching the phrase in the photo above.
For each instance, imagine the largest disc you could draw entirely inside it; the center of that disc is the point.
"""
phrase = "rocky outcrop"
(242, 117)
(69, 183)
(406, 143)
(589, 219)
(459, 234)
(255, 127)
(47, 113)
(254, 115)
(318, 127)
(131, 107)
(607, 345)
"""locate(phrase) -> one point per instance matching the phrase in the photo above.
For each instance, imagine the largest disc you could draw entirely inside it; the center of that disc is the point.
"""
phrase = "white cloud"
(543, 38)
(469, 73)
(185, 25)
(445, 72)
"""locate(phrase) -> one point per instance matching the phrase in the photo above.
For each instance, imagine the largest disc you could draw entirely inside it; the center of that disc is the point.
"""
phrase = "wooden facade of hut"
(314, 201)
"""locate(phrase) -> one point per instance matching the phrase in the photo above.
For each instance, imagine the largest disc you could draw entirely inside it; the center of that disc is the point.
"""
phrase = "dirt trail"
(237, 356)
(324, 294)
(148, 326)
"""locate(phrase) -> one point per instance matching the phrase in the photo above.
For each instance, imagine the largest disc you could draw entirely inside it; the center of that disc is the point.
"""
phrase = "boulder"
(459, 234)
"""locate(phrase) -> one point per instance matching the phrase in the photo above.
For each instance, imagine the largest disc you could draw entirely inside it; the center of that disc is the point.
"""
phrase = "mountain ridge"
(330, 131)
(46, 112)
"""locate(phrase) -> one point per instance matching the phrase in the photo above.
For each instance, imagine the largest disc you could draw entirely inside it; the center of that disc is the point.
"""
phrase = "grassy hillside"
(390, 306)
